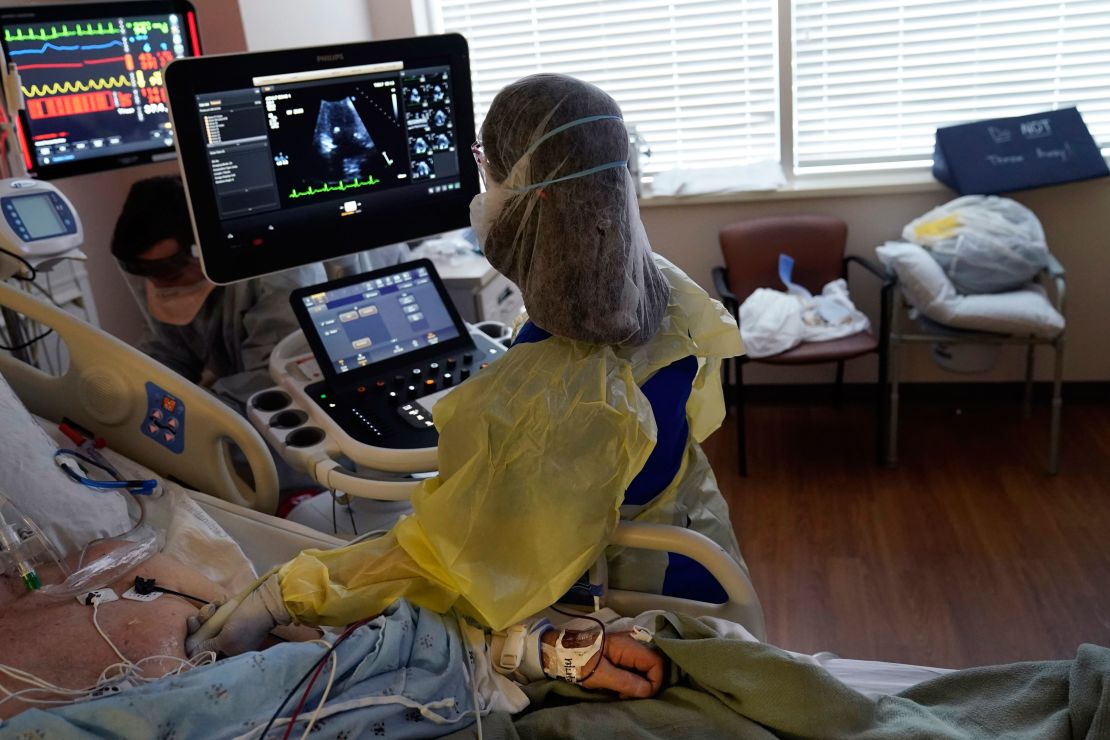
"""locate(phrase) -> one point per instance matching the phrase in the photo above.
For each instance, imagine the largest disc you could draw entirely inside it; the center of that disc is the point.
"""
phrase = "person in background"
(219, 336)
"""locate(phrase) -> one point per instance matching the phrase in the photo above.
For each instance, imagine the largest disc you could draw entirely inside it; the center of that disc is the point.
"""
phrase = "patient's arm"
(55, 639)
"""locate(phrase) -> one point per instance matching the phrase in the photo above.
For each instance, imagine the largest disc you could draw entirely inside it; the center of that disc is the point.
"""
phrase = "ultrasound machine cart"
(312, 154)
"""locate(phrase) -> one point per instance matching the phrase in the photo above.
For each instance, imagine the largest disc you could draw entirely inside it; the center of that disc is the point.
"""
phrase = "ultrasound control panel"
(394, 409)
(389, 344)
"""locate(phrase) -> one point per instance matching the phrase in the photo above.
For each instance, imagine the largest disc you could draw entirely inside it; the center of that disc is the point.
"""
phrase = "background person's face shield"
(560, 218)
(158, 288)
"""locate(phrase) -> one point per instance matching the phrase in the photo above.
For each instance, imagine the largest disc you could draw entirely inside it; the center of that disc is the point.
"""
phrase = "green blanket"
(727, 688)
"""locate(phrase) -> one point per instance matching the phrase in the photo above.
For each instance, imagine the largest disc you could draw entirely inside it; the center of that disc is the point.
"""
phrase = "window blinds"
(698, 78)
(874, 78)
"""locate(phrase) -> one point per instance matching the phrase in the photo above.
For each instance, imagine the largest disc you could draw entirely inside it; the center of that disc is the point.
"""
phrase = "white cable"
(473, 674)
(122, 657)
(323, 696)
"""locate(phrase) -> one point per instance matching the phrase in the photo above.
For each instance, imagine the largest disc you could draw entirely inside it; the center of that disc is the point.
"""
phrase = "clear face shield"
(156, 287)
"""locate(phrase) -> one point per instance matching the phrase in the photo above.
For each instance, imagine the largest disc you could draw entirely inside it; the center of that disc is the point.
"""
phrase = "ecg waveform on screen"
(65, 32)
(338, 187)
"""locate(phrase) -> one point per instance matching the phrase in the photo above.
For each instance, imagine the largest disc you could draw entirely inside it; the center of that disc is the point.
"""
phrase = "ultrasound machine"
(307, 155)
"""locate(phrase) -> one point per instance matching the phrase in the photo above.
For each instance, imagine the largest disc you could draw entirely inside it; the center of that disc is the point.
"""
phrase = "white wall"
(284, 24)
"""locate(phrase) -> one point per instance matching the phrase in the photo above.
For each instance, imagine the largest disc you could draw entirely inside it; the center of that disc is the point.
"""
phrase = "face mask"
(177, 305)
(480, 220)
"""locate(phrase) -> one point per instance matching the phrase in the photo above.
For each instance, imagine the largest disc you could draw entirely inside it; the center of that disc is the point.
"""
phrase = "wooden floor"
(967, 553)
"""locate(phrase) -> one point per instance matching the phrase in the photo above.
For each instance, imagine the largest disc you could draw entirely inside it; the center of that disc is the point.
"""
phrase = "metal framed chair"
(817, 243)
(922, 331)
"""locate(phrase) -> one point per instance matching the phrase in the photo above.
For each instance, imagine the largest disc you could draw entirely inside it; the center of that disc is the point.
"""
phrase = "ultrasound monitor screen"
(382, 318)
(91, 78)
(295, 142)
(290, 160)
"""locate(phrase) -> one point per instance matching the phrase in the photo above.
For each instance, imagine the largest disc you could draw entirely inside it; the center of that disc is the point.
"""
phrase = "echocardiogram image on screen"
(298, 155)
(335, 138)
(92, 86)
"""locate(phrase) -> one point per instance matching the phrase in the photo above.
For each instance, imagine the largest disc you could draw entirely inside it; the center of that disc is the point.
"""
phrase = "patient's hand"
(627, 666)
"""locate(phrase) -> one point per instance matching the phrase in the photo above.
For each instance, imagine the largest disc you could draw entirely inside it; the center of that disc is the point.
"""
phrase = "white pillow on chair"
(928, 289)
(67, 512)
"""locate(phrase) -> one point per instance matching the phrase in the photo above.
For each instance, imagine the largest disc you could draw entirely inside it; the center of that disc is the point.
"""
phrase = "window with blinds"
(696, 77)
(874, 78)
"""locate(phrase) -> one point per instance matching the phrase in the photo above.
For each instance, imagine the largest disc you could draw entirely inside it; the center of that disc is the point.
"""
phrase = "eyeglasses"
(165, 268)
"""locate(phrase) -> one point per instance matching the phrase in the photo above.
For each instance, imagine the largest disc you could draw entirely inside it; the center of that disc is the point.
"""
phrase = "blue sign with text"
(1006, 154)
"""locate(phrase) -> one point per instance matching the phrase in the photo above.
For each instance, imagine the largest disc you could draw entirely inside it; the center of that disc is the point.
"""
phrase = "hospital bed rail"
(106, 389)
(268, 542)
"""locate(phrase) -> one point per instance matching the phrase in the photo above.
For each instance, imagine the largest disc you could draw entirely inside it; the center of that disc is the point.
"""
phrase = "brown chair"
(751, 252)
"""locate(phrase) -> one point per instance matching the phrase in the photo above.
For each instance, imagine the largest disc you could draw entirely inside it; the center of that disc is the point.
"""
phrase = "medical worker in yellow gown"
(595, 414)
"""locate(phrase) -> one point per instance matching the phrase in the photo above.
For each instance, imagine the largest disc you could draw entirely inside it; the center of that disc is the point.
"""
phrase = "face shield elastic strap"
(573, 175)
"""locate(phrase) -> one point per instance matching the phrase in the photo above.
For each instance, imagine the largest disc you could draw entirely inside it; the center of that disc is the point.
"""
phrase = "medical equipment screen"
(90, 81)
(379, 319)
(290, 160)
(326, 145)
(39, 217)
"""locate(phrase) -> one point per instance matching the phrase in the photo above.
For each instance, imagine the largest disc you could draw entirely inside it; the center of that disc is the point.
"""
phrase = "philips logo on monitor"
(329, 58)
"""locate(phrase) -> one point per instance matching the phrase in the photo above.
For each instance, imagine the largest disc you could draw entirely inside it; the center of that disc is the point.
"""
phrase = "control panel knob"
(379, 386)
(451, 362)
(464, 373)
(433, 368)
(468, 358)
(448, 380)
(416, 373)
(399, 381)
(413, 391)
(483, 366)
(430, 385)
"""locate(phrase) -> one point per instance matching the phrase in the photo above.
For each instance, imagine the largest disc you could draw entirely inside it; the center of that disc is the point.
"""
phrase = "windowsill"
(822, 186)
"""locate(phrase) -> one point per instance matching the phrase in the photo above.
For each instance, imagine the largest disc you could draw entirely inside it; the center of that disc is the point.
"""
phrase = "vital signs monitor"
(86, 81)
(303, 155)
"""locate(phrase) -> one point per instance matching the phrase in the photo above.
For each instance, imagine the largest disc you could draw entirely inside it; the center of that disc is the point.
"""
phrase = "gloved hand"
(239, 625)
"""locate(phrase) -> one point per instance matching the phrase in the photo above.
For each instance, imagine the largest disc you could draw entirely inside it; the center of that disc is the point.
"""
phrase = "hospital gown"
(404, 675)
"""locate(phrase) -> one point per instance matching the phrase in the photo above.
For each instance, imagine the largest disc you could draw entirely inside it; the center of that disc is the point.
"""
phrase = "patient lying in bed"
(55, 638)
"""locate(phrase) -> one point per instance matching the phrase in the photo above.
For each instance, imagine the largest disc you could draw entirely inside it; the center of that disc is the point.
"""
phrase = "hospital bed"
(104, 372)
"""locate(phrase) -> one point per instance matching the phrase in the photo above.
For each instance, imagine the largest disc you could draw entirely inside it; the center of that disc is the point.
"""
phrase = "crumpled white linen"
(772, 321)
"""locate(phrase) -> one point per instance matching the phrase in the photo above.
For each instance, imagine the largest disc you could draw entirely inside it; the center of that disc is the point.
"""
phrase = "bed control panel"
(164, 421)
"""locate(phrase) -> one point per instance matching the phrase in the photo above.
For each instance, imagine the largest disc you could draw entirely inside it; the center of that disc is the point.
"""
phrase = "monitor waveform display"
(65, 32)
(338, 187)
(57, 88)
(99, 80)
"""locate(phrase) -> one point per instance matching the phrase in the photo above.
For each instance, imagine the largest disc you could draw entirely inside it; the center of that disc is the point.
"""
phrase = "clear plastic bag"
(985, 244)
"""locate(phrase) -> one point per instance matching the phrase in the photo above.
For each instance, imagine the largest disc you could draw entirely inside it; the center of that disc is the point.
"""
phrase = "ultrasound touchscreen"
(380, 318)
